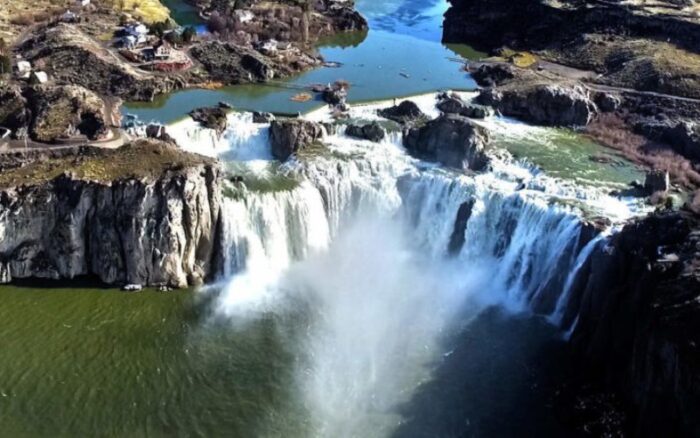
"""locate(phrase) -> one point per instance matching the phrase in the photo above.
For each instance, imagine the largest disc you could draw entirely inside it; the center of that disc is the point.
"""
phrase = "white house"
(244, 16)
(24, 69)
(38, 77)
(138, 31)
(129, 42)
(162, 50)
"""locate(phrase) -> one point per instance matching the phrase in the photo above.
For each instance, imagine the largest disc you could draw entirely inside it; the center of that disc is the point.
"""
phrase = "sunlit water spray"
(381, 308)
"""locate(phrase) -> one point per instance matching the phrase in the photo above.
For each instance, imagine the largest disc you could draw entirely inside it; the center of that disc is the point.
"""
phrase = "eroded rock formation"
(288, 137)
(450, 139)
(638, 326)
(153, 223)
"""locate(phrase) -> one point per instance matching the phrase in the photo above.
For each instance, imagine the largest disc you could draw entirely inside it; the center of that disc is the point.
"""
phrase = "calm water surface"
(404, 40)
(92, 362)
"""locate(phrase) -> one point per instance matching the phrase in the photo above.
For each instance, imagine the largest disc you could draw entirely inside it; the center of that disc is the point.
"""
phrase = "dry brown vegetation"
(141, 159)
(612, 131)
(635, 63)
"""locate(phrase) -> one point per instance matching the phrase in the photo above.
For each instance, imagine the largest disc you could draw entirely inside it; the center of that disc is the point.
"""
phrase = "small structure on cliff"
(38, 78)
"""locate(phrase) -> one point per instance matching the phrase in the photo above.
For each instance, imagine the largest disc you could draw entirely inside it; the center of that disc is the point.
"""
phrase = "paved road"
(116, 139)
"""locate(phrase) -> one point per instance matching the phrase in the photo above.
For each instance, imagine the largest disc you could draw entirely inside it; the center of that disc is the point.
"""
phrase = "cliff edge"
(144, 214)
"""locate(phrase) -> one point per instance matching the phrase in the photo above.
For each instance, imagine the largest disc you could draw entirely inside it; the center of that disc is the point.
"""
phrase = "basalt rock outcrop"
(549, 104)
(211, 117)
(232, 63)
(13, 112)
(71, 57)
(637, 301)
(284, 20)
(452, 140)
(145, 214)
(453, 104)
(288, 137)
(371, 131)
(64, 112)
(533, 23)
(49, 113)
(405, 112)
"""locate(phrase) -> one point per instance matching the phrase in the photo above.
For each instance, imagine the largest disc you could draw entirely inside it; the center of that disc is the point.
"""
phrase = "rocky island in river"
(400, 267)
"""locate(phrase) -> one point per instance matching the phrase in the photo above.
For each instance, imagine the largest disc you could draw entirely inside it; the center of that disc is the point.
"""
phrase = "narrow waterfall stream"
(358, 248)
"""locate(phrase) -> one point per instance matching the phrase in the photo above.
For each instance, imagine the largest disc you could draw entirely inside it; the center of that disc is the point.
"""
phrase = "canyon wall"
(157, 229)
(636, 310)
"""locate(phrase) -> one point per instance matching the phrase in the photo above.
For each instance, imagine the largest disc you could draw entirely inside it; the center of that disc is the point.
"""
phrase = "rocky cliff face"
(148, 229)
(452, 140)
(638, 329)
(288, 137)
(535, 23)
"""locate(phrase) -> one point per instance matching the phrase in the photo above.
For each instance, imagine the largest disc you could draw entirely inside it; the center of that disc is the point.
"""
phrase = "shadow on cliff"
(499, 380)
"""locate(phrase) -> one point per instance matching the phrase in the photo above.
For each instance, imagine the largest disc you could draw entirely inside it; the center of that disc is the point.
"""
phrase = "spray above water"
(380, 308)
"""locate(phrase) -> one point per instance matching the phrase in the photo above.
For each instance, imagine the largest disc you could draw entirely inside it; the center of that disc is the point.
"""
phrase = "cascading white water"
(262, 235)
(363, 238)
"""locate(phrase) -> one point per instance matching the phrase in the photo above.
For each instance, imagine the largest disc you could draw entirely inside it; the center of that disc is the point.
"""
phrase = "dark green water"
(404, 40)
(91, 362)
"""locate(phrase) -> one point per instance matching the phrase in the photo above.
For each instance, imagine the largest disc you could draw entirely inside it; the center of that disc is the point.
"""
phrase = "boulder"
(371, 131)
(607, 102)
(548, 104)
(289, 136)
(13, 112)
(211, 117)
(158, 132)
(656, 181)
(455, 105)
(450, 104)
(406, 111)
(492, 74)
(334, 95)
(61, 112)
(452, 140)
(261, 117)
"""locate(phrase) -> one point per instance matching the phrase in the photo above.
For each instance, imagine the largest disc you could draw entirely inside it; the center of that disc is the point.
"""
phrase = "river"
(401, 55)
(340, 311)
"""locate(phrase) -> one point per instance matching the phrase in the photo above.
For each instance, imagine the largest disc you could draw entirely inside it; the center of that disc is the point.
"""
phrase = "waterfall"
(388, 253)
(262, 234)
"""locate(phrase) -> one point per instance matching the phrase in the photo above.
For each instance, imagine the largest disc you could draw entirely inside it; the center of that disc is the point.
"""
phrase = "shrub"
(5, 64)
(188, 34)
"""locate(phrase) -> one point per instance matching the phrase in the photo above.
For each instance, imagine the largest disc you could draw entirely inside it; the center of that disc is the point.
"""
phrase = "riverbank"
(90, 48)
